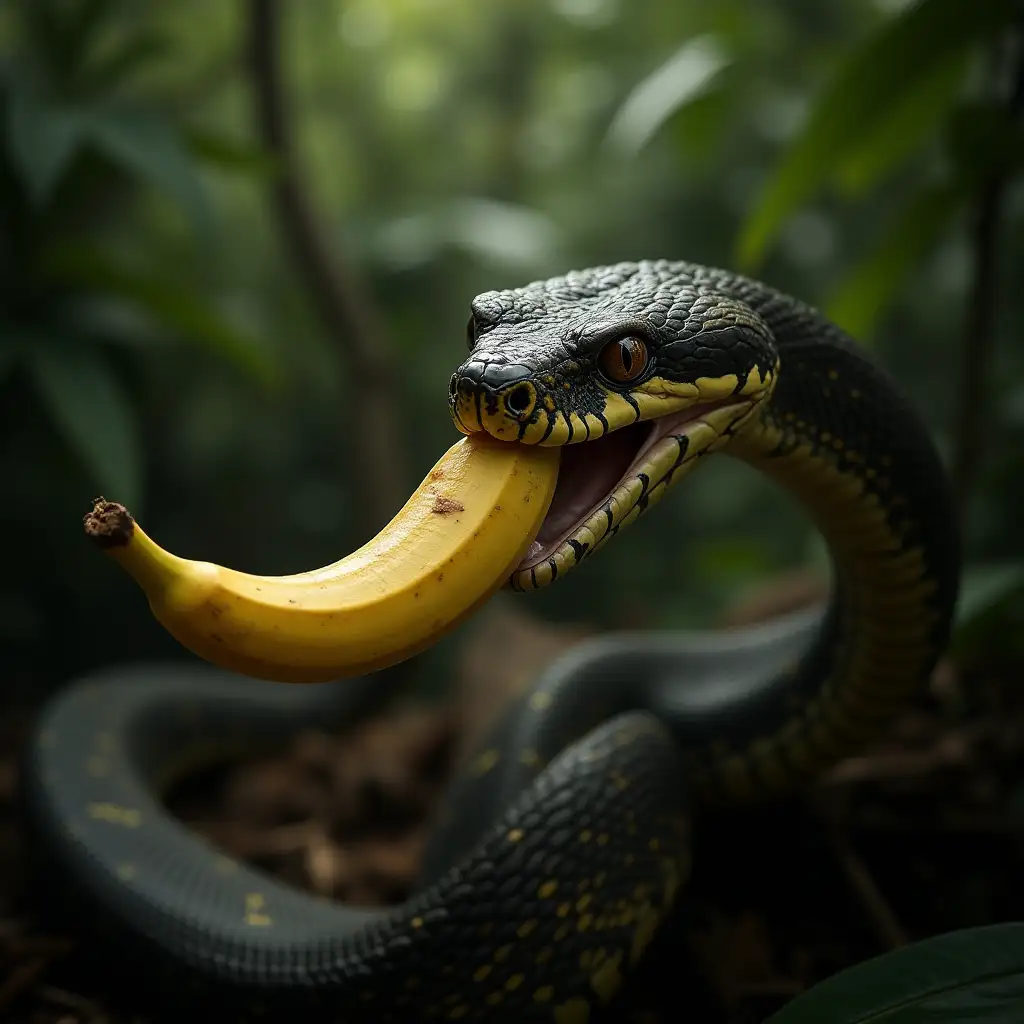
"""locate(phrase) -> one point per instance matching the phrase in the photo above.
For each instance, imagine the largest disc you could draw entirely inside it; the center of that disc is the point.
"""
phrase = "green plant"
(78, 150)
(936, 93)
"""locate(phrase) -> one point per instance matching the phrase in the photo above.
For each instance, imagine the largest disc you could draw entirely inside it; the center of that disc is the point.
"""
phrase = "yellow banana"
(452, 545)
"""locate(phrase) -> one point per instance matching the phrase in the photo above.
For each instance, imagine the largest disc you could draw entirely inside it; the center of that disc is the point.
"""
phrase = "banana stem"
(111, 528)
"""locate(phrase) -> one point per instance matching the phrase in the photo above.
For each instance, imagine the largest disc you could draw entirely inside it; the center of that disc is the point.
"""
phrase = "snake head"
(639, 368)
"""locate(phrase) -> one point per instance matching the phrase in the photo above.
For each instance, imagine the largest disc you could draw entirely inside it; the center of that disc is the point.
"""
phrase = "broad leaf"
(688, 74)
(901, 128)
(149, 146)
(907, 48)
(171, 305)
(88, 405)
(975, 975)
(863, 296)
(42, 139)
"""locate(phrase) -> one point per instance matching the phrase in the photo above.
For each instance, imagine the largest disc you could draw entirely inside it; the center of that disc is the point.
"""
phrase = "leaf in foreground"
(974, 975)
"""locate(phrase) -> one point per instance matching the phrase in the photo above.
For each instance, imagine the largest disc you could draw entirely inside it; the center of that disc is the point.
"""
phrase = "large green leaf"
(687, 75)
(907, 48)
(865, 293)
(170, 304)
(975, 975)
(902, 127)
(90, 408)
(41, 138)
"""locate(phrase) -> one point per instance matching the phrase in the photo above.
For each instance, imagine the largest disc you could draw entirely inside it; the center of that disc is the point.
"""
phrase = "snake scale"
(563, 846)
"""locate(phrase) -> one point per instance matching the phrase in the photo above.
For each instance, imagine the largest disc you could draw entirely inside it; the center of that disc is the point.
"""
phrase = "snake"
(563, 845)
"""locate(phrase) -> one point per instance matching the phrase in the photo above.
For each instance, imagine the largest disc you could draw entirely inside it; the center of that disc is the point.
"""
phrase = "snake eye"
(623, 360)
(471, 331)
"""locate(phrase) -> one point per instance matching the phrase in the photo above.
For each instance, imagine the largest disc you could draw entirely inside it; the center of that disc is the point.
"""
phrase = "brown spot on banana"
(446, 506)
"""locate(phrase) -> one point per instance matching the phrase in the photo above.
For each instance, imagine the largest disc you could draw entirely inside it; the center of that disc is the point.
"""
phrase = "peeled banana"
(451, 546)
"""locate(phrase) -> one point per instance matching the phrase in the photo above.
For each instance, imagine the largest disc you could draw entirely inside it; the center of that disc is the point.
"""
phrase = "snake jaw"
(608, 483)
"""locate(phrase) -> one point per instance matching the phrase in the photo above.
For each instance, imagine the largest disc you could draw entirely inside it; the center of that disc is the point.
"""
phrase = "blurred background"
(238, 243)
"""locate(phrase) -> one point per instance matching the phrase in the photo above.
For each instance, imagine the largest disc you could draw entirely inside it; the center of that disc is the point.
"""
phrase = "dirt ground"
(918, 835)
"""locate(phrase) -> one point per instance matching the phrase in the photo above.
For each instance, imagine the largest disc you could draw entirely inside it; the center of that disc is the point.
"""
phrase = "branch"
(372, 425)
(978, 346)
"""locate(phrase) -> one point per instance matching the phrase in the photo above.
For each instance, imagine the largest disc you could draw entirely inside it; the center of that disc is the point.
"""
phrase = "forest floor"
(918, 835)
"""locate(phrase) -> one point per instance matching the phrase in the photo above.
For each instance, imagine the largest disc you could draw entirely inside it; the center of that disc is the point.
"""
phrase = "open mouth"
(601, 481)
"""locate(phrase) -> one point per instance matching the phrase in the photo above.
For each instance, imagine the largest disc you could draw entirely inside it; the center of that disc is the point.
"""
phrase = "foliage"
(77, 143)
(156, 344)
(879, 110)
(901, 93)
(976, 974)
(904, 92)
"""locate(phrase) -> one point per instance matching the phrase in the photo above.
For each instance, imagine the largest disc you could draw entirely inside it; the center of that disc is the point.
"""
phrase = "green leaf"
(688, 74)
(863, 296)
(975, 975)
(901, 128)
(985, 587)
(171, 305)
(89, 407)
(42, 139)
(907, 48)
(149, 146)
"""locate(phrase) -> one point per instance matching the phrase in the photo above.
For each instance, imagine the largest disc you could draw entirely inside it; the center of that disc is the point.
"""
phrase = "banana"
(452, 545)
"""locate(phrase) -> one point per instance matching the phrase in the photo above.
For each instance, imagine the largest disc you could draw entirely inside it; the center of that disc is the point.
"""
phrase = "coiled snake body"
(565, 847)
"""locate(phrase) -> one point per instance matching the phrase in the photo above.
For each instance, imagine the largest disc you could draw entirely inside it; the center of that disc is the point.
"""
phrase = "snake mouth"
(607, 483)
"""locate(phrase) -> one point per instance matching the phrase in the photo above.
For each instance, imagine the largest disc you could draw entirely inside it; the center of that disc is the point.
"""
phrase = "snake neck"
(839, 436)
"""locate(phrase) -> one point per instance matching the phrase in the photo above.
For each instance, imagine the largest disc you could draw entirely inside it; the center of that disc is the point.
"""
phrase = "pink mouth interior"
(591, 470)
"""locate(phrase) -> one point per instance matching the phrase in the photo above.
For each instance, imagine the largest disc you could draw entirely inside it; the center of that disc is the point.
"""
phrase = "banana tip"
(108, 524)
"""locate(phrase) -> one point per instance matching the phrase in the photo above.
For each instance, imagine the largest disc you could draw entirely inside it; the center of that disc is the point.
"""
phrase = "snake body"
(564, 842)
